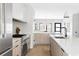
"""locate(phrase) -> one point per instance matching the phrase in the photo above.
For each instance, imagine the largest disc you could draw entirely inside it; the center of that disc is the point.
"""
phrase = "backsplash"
(20, 25)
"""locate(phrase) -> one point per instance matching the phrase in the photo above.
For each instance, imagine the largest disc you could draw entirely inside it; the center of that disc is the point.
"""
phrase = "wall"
(29, 16)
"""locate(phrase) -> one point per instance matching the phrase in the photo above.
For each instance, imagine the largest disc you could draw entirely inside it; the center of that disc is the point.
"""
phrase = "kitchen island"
(70, 46)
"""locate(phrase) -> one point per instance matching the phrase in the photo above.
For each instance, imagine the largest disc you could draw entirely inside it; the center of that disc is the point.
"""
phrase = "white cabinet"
(18, 11)
(5, 19)
(16, 47)
(41, 38)
(22, 12)
(56, 50)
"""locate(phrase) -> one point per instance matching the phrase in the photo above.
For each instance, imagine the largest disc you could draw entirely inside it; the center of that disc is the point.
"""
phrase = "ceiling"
(54, 10)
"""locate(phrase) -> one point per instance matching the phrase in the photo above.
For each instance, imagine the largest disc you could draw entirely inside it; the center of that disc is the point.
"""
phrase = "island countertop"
(69, 45)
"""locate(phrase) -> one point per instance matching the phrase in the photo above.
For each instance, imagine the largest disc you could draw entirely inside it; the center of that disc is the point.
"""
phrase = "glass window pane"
(58, 29)
(57, 25)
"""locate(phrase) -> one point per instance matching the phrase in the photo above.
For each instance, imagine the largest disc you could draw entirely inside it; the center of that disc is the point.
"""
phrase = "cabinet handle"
(17, 40)
(62, 49)
(17, 45)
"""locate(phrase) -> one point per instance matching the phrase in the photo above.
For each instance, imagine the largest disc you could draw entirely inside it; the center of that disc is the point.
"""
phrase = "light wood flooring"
(39, 50)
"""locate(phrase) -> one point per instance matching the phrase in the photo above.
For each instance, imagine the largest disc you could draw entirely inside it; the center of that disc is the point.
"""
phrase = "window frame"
(55, 27)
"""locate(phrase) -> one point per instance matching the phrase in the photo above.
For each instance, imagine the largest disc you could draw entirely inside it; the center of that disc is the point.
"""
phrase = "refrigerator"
(5, 28)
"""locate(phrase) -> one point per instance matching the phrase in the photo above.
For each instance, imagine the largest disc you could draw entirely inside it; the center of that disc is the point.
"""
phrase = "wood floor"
(39, 50)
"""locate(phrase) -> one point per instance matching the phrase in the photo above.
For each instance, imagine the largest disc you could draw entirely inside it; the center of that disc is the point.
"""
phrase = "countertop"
(18, 35)
(69, 45)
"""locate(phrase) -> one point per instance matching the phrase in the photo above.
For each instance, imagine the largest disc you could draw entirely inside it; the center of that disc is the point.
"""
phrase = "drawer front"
(17, 51)
(16, 41)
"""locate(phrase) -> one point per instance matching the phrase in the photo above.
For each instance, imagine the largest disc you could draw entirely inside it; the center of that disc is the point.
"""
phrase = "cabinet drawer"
(17, 43)
(16, 40)
(17, 51)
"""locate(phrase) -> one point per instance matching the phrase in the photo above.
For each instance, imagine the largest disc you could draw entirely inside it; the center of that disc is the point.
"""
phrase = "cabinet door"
(5, 26)
(16, 46)
(14, 52)
(28, 43)
(59, 51)
(18, 11)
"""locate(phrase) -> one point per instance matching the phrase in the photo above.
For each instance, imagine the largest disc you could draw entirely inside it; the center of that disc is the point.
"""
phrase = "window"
(43, 27)
(57, 27)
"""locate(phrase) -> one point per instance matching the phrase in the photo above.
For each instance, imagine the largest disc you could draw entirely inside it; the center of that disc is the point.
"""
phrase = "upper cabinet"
(18, 11)
(22, 12)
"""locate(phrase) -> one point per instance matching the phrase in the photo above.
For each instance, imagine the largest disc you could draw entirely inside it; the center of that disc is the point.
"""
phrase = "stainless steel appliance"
(24, 45)
(5, 27)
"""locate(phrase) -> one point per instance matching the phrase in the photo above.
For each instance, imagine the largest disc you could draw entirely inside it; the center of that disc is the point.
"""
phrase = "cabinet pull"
(62, 49)
(17, 45)
(17, 40)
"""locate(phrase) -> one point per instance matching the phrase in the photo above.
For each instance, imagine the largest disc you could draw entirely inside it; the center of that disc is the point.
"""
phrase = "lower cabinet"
(16, 47)
(17, 51)
(56, 50)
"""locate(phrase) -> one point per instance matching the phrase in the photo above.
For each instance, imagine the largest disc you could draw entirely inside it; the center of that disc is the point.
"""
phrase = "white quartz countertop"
(69, 45)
